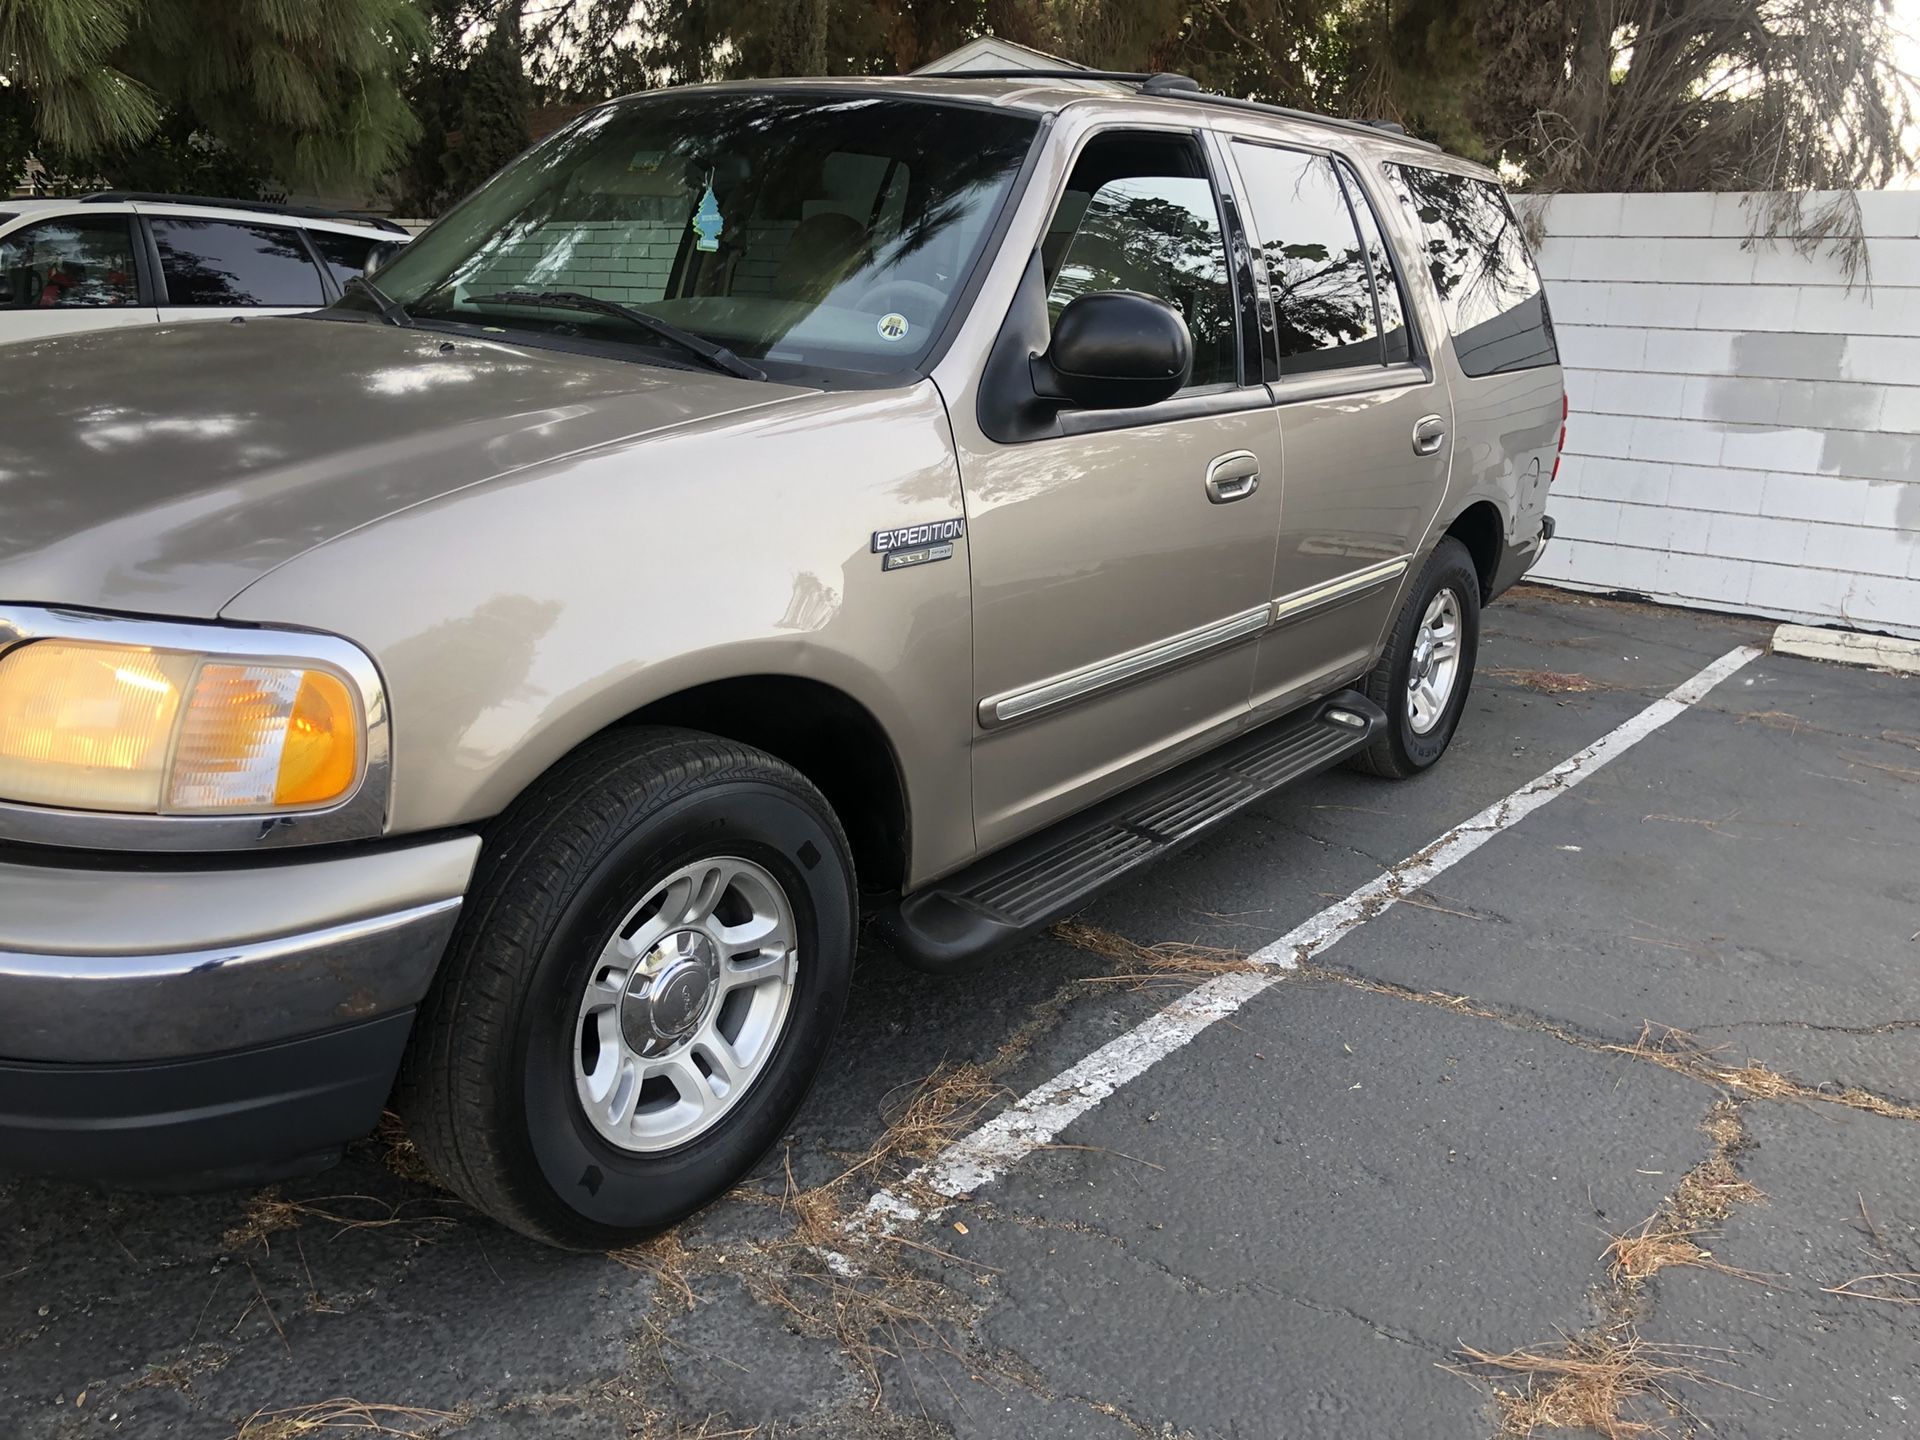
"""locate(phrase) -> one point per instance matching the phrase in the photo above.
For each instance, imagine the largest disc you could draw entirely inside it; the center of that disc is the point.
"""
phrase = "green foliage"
(304, 90)
(493, 109)
(182, 160)
(1617, 94)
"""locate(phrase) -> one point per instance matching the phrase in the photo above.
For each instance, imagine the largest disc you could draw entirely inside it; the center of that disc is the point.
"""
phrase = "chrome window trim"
(1299, 604)
(361, 816)
(1118, 670)
(1352, 380)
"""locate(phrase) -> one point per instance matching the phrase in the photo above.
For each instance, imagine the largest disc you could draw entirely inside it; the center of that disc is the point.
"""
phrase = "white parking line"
(1037, 1117)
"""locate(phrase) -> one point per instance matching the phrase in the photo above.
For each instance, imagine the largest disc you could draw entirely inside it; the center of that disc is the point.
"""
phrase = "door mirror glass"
(1115, 349)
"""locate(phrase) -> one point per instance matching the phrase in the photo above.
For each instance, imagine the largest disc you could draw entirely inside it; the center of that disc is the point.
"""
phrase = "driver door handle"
(1232, 476)
(1429, 432)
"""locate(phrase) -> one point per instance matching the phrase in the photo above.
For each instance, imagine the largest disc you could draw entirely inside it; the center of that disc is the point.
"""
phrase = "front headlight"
(145, 730)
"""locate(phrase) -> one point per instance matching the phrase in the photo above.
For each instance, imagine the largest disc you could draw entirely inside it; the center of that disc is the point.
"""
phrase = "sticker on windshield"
(893, 326)
(708, 222)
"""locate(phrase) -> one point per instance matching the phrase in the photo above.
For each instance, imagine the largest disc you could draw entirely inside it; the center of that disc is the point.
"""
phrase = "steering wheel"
(919, 303)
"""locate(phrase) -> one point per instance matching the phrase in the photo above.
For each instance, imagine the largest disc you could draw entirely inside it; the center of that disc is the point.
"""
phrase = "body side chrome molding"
(1302, 603)
(1104, 675)
(1120, 669)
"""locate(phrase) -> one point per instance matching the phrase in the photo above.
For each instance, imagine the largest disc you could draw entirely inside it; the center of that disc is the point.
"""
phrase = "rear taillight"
(1562, 445)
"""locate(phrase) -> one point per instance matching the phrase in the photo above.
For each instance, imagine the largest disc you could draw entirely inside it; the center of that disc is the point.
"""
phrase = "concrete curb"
(1849, 647)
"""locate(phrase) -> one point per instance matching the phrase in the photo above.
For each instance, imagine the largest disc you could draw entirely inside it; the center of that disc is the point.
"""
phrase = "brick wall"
(1745, 431)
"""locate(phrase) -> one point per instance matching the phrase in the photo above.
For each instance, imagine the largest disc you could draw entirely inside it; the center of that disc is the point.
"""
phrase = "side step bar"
(963, 918)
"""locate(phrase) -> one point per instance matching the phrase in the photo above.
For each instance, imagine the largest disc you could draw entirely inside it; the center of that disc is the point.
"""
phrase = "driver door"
(1122, 565)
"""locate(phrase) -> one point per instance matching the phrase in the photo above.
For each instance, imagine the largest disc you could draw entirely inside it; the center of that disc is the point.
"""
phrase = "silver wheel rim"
(1435, 666)
(686, 1005)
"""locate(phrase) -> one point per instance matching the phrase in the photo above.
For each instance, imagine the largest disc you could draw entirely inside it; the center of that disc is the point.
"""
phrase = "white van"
(118, 258)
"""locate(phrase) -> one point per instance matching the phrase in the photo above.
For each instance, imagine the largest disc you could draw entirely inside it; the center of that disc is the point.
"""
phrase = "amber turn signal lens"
(265, 737)
(320, 758)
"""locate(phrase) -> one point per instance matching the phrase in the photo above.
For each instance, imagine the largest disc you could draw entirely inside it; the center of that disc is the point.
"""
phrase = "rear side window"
(1318, 274)
(82, 263)
(349, 255)
(222, 262)
(1488, 285)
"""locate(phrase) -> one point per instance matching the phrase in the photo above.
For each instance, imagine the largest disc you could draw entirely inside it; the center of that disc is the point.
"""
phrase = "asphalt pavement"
(1610, 1120)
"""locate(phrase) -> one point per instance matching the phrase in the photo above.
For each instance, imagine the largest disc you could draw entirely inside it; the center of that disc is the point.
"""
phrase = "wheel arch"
(828, 736)
(1482, 529)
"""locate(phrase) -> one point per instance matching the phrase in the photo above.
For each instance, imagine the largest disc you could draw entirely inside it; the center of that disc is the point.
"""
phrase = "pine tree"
(305, 90)
(494, 106)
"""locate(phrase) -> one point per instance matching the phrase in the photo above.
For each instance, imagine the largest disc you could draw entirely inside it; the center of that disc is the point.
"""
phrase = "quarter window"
(1394, 339)
(1488, 285)
(81, 263)
(1139, 213)
(222, 262)
(1316, 269)
(349, 255)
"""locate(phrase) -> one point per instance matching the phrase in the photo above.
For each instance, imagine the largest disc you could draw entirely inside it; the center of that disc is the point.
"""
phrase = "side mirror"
(1115, 349)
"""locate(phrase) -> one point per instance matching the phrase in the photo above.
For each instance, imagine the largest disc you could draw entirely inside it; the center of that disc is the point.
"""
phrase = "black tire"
(1401, 751)
(487, 1088)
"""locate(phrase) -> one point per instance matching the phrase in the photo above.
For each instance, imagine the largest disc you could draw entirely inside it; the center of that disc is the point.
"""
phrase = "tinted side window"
(1479, 263)
(1139, 213)
(1386, 280)
(221, 262)
(65, 264)
(348, 255)
(1317, 271)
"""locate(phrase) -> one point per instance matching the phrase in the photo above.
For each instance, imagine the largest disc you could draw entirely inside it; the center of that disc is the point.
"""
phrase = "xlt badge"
(917, 544)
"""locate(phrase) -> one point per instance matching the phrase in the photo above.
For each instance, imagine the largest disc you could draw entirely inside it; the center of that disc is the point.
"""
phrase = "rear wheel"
(1423, 676)
(650, 969)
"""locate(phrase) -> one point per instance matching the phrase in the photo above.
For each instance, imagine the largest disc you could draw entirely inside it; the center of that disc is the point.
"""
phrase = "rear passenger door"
(70, 273)
(211, 268)
(1365, 421)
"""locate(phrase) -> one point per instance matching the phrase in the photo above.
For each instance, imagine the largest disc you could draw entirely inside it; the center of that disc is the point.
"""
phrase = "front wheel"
(652, 963)
(1422, 677)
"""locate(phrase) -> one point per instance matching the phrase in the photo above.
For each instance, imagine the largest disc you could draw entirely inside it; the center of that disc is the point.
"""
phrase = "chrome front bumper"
(109, 964)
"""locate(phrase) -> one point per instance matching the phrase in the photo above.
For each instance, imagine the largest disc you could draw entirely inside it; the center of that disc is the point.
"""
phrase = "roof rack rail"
(266, 207)
(1166, 86)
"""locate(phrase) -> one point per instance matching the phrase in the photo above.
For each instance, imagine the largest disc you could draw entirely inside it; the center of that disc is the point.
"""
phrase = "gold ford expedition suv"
(761, 505)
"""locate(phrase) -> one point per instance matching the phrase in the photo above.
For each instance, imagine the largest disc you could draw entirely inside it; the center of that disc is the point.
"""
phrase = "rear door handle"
(1429, 431)
(1233, 476)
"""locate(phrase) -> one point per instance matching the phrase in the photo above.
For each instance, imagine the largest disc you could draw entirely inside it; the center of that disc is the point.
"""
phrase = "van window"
(84, 262)
(1394, 339)
(1479, 263)
(1317, 270)
(1139, 213)
(221, 262)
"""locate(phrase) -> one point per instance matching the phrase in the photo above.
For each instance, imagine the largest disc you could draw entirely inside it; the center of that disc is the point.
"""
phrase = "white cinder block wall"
(1745, 433)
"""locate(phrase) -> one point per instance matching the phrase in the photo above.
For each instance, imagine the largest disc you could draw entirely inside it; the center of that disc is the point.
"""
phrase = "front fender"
(515, 619)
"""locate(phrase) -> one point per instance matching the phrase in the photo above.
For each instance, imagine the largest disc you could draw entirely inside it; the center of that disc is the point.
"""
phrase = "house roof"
(990, 52)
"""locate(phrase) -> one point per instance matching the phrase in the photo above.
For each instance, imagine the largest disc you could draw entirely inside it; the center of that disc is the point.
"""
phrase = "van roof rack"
(266, 207)
(1167, 86)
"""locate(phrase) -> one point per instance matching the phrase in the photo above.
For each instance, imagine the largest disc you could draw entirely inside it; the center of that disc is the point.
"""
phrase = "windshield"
(818, 231)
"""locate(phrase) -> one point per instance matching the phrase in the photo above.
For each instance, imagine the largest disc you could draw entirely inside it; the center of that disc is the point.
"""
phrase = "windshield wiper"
(716, 356)
(391, 310)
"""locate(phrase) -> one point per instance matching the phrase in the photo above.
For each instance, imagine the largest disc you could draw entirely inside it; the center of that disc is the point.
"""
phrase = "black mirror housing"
(1115, 349)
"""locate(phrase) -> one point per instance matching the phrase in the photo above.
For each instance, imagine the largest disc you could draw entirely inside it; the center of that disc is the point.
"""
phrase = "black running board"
(966, 916)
